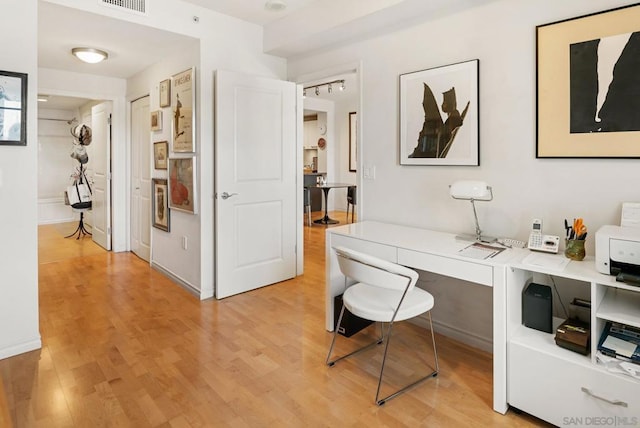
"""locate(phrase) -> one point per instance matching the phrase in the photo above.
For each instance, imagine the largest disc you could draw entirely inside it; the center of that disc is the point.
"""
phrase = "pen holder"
(574, 249)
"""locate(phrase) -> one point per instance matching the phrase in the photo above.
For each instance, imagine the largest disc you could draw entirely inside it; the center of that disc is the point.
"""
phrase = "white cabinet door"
(141, 178)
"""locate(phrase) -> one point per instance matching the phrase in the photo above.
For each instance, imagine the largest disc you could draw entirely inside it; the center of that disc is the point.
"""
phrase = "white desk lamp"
(470, 190)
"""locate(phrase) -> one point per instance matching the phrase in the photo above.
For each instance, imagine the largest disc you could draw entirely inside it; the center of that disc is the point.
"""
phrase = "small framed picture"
(160, 154)
(156, 120)
(182, 181)
(160, 202)
(13, 109)
(165, 93)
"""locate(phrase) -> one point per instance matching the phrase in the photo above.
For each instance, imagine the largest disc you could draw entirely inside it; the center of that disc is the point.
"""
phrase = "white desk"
(530, 371)
(430, 251)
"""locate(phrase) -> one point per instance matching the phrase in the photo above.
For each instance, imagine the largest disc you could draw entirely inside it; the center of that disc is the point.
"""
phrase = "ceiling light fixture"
(275, 5)
(89, 55)
(329, 86)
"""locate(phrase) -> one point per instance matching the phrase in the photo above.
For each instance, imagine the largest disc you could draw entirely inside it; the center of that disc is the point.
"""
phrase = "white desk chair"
(384, 292)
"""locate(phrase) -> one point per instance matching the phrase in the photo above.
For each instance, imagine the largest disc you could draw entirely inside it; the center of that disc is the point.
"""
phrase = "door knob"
(226, 195)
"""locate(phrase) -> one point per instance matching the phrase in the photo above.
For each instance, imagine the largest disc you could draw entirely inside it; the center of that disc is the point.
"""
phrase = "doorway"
(61, 158)
(328, 103)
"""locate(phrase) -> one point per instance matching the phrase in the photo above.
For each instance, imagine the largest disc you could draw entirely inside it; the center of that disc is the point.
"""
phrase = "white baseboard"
(473, 340)
(180, 281)
(53, 210)
(21, 348)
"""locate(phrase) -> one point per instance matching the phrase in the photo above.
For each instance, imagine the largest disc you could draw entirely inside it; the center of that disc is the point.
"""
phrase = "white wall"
(524, 187)
(18, 192)
(501, 35)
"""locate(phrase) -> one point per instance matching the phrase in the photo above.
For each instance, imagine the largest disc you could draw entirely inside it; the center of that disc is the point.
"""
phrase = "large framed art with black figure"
(588, 86)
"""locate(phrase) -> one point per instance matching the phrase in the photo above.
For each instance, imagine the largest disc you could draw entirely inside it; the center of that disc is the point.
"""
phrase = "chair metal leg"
(381, 401)
(333, 342)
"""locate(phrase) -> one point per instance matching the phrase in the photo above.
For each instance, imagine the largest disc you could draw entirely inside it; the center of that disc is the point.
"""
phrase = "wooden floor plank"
(125, 346)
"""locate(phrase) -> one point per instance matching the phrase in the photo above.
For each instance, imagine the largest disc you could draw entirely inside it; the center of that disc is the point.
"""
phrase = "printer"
(618, 253)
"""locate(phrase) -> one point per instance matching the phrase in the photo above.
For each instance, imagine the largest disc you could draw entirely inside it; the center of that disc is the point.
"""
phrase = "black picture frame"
(353, 141)
(583, 111)
(439, 115)
(160, 204)
(13, 108)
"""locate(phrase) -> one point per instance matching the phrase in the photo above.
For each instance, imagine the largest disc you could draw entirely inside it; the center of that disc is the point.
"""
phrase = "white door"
(255, 139)
(141, 178)
(101, 197)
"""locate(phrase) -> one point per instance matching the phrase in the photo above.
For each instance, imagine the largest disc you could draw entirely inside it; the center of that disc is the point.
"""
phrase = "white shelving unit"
(558, 385)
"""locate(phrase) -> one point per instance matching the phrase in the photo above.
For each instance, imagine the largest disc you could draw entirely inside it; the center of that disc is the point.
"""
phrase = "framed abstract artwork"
(182, 184)
(588, 86)
(160, 206)
(439, 117)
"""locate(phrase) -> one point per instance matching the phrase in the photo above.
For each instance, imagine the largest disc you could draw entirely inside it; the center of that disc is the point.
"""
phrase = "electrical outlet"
(184, 242)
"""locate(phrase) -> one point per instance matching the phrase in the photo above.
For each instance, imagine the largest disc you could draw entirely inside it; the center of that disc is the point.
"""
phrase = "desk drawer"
(558, 390)
(455, 268)
(382, 251)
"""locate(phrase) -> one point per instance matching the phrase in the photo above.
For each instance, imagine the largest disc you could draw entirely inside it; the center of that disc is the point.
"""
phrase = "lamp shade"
(471, 189)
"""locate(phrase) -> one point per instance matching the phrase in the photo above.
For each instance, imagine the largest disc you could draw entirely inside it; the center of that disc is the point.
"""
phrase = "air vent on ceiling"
(137, 6)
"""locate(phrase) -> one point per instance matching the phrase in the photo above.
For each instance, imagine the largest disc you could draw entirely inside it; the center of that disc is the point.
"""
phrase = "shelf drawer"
(564, 393)
(455, 268)
(382, 251)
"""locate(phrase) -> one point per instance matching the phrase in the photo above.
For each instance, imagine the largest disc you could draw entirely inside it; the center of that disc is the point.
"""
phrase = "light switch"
(369, 172)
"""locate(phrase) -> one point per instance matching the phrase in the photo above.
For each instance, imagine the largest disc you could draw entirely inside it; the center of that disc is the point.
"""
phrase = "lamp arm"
(475, 216)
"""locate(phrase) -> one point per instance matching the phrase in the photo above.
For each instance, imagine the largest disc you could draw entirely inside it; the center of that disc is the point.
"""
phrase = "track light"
(329, 85)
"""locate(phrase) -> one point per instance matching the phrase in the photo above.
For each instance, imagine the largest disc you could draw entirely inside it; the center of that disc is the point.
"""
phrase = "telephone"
(540, 242)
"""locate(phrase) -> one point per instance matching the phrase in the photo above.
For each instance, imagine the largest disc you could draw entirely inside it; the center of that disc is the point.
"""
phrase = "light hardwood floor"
(124, 346)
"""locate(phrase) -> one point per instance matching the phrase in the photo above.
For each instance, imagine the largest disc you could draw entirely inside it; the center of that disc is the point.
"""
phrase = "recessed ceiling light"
(90, 55)
(275, 5)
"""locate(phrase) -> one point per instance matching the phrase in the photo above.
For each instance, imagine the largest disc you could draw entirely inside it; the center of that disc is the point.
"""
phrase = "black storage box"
(350, 324)
(574, 335)
(536, 307)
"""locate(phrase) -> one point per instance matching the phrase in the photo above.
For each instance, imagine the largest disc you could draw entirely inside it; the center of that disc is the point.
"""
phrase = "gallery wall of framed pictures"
(174, 148)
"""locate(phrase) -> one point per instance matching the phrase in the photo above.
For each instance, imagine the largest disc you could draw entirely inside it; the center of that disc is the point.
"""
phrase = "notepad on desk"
(480, 251)
(549, 261)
